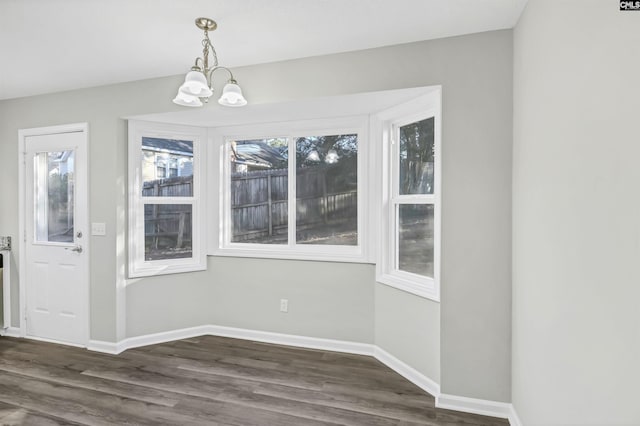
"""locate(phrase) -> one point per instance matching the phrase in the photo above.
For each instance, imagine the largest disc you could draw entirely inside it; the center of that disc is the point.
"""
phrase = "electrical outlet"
(284, 305)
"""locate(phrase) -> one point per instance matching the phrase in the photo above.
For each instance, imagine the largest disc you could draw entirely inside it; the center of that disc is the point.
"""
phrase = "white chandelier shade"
(232, 95)
(187, 100)
(195, 84)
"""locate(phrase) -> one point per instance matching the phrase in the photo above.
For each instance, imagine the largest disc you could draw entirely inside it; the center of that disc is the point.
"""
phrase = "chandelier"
(198, 83)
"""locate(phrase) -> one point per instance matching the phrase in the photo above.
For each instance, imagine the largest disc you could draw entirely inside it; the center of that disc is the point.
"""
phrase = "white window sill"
(333, 255)
(164, 269)
(427, 289)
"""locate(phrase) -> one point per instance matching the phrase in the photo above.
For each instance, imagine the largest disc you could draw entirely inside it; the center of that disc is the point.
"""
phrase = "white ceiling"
(54, 45)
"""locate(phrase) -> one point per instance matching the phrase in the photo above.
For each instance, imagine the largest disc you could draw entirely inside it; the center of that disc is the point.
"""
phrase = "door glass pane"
(417, 157)
(167, 168)
(327, 190)
(415, 238)
(54, 196)
(259, 191)
(167, 231)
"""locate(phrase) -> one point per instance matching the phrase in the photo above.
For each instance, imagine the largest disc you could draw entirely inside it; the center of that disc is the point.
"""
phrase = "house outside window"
(164, 158)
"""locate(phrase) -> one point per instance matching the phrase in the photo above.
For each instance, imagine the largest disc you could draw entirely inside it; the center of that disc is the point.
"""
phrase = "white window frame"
(138, 266)
(219, 183)
(388, 123)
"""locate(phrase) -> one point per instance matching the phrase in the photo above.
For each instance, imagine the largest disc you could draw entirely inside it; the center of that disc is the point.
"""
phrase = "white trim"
(293, 340)
(22, 272)
(147, 339)
(514, 420)
(320, 255)
(408, 372)
(168, 336)
(11, 332)
(105, 347)
(22, 240)
(472, 405)
(416, 287)
(237, 333)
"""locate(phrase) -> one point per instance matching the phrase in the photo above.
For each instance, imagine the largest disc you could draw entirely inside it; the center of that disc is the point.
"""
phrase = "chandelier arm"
(199, 65)
(210, 75)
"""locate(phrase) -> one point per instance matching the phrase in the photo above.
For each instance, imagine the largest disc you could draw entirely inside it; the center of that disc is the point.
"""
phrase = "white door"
(55, 225)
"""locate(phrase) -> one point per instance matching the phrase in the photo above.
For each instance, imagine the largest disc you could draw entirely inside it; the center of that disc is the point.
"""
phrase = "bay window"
(356, 188)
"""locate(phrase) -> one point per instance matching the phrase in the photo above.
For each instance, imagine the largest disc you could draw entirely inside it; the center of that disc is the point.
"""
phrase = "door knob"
(77, 249)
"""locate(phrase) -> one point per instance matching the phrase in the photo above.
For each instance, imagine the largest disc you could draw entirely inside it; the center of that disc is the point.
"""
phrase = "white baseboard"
(451, 402)
(10, 332)
(408, 372)
(237, 333)
(167, 336)
(105, 347)
(473, 405)
(293, 340)
(514, 420)
(146, 340)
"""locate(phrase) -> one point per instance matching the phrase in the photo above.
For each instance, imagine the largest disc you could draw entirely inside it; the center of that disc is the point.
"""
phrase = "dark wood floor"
(209, 380)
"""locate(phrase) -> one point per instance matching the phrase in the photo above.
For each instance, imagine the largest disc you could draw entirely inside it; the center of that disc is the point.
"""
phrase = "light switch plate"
(98, 229)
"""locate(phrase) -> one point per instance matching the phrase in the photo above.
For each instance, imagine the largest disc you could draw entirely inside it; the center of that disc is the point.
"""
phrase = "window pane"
(327, 190)
(259, 191)
(167, 168)
(415, 238)
(167, 231)
(416, 157)
(54, 202)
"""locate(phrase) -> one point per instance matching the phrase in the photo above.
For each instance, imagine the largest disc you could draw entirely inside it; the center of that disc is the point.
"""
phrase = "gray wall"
(476, 218)
(474, 338)
(326, 300)
(576, 210)
(408, 327)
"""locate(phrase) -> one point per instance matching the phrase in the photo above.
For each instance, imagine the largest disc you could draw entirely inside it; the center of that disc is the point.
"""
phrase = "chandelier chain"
(208, 46)
(205, 50)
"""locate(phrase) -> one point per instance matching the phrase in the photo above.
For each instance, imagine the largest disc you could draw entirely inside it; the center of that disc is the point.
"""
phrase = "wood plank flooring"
(209, 381)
